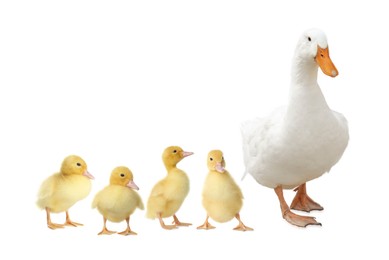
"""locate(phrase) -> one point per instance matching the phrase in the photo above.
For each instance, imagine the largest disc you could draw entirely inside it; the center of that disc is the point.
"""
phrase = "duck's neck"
(170, 167)
(304, 72)
(305, 96)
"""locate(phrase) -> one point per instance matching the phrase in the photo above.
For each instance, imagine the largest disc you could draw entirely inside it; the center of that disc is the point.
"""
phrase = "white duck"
(301, 141)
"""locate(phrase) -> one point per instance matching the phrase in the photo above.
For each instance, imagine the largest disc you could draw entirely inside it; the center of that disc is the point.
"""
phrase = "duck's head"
(123, 176)
(173, 155)
(215, 161)
(74, 164)
(313, 47)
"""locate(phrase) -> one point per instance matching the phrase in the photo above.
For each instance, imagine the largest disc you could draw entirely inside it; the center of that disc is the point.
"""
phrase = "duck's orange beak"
(325, 63)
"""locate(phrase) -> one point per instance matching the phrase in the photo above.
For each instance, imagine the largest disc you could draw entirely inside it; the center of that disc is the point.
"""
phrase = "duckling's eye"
(309, 39)
(78, 164)
(211, 159)
(175, 151)
(223, 158)
(122, 175)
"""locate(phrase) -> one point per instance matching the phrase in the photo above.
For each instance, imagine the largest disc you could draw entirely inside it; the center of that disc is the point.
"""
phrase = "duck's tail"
(244, 175)
(245, 130)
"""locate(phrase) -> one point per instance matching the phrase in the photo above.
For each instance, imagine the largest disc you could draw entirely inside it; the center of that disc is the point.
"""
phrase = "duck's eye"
(175, 151)
(78, 164)
(309, 39)
(122, 175)
(211, 159)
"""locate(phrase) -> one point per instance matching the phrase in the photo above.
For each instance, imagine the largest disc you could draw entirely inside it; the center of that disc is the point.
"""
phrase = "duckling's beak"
(325, 63)
(132, 185)
(185, 154)
(88, 175)
(219, 167)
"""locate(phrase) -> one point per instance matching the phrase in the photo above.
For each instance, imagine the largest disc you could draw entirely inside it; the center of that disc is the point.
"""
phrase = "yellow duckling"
(62, 190)
(169, 193)
(118, 200)
(222, 198)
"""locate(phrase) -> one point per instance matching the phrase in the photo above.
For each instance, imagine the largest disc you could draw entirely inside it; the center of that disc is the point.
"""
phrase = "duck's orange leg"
(178, 223)
(128, 231)
(241, 226)
(71, 223)
(206, 225)
(302, 201)
(168, 227)
(105, 231)
(50, 224)
(294, 219)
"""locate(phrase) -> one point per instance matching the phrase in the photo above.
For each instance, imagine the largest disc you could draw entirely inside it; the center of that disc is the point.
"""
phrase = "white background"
(117, 81)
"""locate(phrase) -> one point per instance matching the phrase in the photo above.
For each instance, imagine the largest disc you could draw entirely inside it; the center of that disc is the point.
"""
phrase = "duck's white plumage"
(303, 140)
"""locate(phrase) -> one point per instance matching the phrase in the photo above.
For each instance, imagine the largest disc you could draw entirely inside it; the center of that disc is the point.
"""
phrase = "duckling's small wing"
(96, 200)
(46, 192)
(140, 203)
(158, 189)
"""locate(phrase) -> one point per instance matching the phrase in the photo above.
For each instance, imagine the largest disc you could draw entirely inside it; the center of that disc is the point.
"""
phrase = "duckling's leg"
(241, 226)
(105, 231)
(50, 224)
(178, 223)
(128, 231)
(168, 227)
(71, 223)
(294, 219)
(302, 201)
(206, 225)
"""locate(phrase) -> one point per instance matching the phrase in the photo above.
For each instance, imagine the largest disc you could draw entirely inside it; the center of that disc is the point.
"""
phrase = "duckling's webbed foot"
(50, 224)
(105, 231)
(128, 230)
(303, 202)
(163, 225)
(177, 223)
(206, 225)
(241, 226)
(68, 222)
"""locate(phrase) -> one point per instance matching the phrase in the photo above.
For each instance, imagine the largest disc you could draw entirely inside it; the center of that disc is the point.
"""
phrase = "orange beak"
(325, 63)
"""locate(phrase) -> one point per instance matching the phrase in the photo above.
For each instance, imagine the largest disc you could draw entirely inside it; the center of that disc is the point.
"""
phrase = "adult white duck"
(301, 141)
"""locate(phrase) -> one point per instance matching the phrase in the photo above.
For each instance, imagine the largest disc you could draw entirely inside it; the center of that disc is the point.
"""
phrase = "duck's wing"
(341, 119)
(257, 137)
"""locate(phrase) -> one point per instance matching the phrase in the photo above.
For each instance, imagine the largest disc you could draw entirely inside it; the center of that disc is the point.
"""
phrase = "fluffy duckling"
(62, 190)
(118, 200)
(169, 193)
(222, 198)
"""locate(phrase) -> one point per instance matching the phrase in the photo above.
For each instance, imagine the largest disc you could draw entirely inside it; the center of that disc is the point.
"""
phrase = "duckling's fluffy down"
(168, 195)
(116, 202)
(59, 193)
(222, 198)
